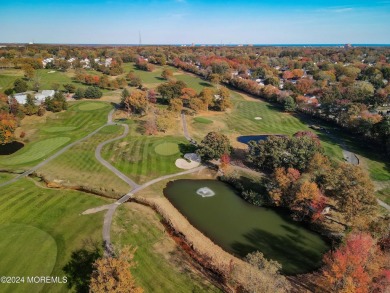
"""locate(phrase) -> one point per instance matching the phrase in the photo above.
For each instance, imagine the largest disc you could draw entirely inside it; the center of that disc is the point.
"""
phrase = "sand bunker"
(258, 118)
(194, 161)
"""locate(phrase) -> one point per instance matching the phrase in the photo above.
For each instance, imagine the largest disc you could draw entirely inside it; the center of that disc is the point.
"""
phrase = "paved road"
(60, 152)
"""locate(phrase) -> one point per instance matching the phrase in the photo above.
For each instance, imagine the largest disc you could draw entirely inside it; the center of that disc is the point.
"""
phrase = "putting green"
(167, 149)
(91, 106)
(59, 128)
(25, 251)
(37, 151)
(203, 120)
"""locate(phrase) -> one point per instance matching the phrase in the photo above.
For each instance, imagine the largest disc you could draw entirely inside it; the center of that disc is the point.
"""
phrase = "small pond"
(247, 138)
(240, 228)
(10, 148)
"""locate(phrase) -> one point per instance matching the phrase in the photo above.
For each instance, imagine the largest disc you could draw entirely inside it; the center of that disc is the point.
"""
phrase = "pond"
(240, 228)
(10, 148)
(247, 138)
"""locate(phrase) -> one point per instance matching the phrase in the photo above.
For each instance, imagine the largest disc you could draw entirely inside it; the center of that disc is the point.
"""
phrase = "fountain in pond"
(205, 192)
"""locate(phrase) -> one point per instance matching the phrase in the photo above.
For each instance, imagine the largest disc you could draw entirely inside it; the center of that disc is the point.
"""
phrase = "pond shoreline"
(217, 264)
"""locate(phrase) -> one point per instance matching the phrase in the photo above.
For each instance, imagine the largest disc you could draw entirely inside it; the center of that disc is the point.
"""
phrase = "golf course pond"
(247, 138)
(216, 210)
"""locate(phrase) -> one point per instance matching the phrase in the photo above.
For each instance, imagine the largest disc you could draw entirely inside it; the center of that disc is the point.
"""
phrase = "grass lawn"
(46, 134)
(161, 265)
(39, 228)
(14, 252)
(79, 167)
(136, 156)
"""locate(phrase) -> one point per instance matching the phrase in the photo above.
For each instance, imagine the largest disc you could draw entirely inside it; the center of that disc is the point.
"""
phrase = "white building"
(39, 97)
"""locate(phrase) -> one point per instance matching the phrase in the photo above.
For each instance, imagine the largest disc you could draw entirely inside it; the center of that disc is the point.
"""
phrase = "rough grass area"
(37, 151)
(91, 106)
(25, 251)
(384, 194)
(135, 156)
(54, 212)
(161, 265)
(79, 167)
(167, 149)
(203, 120)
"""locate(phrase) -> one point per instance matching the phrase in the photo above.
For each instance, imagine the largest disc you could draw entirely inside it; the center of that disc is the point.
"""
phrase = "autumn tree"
(167, 74)
(282, 184)
(113, 274)
(164, 120)
(358, 265)
(8, 125)
(29, 71)
(353, 189)
(222, 101)
(207, 96)
(171, 89)
(136, 102)
(264, 275)
(213, 146)
(175, 105)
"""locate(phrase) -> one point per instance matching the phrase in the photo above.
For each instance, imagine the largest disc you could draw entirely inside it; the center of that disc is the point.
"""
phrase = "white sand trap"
(194, 161)
(51, 71)
(258, 118)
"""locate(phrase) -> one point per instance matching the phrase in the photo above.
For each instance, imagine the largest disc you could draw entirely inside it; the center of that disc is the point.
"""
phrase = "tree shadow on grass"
(205, 84)
(186, 148)
(289, 249)
(80, 266)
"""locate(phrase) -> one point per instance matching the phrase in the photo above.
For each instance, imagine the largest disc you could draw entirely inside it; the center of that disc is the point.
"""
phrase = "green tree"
(20, 86)
(92, 92)
(57, 103)
(289, 104)
(213, 146)
(79, 94)
(70, 88)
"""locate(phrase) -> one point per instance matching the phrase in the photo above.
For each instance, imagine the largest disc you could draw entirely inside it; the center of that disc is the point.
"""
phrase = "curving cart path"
(111, 208)
(60, 152)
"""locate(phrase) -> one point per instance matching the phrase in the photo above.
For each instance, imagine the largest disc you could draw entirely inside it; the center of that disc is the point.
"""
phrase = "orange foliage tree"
(8, 125)
(357, 266)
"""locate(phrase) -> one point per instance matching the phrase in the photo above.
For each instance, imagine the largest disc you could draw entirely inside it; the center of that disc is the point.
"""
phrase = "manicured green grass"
(5, 177)
(44, 214)
(203, 120)
(193, 81)
(91, 106)
(37, 151)
(167, 149)
(79, 167)
(25, 251)
(135, 156)
(46, 134)
(147, 77)
(160, 266)
(59, 128)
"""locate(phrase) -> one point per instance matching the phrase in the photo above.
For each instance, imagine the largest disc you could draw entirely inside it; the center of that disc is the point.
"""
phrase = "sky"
(195, 21)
